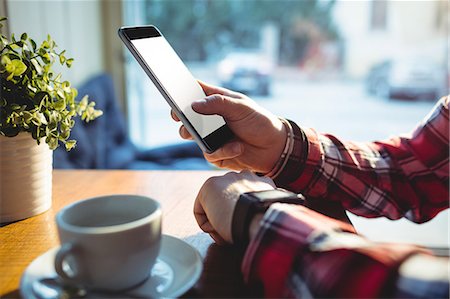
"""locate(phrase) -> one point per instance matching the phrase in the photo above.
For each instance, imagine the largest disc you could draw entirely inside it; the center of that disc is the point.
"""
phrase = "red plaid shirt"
(300, 253)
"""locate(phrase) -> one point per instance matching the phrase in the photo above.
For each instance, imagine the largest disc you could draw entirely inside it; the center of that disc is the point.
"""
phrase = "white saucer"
(177, 269)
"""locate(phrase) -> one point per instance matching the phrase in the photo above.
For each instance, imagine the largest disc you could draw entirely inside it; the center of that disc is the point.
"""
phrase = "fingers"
(228, 151)
(205, 225)
(217, 238)
(211, 89)
(231, 164)
(227, 156)
(174, 116)
(210, 105)
(231, 109)
(184, 133)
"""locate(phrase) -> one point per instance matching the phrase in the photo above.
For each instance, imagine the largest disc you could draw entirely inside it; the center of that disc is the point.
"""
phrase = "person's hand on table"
(216, 200)
(260, 135)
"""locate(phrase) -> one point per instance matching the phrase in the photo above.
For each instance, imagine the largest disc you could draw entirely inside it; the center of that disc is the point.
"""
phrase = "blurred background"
(362, 70)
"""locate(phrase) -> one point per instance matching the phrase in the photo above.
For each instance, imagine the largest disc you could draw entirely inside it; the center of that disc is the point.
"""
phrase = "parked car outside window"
(407, 78)
(246, 71)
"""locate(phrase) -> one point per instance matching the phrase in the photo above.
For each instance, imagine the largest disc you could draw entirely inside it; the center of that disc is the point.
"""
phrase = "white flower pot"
(25, 177)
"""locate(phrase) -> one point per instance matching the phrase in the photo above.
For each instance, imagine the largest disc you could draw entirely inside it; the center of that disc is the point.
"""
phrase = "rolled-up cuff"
(294, 162)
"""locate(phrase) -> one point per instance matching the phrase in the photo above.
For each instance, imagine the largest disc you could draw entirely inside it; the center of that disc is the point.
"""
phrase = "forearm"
(294, 250)
(395, 178)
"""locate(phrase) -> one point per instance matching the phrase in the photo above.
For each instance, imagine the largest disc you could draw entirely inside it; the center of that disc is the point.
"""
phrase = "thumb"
(229, 108)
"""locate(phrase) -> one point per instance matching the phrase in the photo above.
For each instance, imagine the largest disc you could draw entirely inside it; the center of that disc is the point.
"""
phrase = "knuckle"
(231, 175)
(209, 159)
(215, 156)
(217, 98)
(209, 181)
(220, 163)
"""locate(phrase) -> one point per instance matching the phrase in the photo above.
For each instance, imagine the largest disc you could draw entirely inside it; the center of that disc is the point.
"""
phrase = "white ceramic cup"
(108, 242)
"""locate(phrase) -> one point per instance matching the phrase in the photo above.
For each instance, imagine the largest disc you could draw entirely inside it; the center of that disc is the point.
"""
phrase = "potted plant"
(37, 111)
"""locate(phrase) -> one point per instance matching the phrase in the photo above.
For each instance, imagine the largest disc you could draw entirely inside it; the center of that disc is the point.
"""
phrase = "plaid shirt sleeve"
(400, 177)
(300, 253)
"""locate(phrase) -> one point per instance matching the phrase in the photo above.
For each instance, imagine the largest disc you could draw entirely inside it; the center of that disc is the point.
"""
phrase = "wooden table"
(23, 241)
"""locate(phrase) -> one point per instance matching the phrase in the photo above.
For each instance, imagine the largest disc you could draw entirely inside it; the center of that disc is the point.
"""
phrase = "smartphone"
(176, 84)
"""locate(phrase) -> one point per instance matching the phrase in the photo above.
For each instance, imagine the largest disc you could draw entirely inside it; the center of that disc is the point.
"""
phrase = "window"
(310, 61)
(379, 14)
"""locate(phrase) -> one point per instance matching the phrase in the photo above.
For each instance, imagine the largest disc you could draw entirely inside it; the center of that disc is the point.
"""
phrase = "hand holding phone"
(260, 136)
(176, 84)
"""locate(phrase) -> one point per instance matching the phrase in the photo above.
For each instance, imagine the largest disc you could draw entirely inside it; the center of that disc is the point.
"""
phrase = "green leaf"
(30, 87)
(52, 142)
(41, 117)
(64, 127)
(15, 107)
(66, 87)
(41, 51)
(16, 118)
(52, 124)
(5, 60)
(33, 45)
(69, 62)
(64, 134)
(45, 45)
(97, 113)
(27, 52)
(19, 67)
(10, 77)
(48, 87)
(27, 116)
(4, 40)
(14, 55)
(82, 105)
(36, 120)
(70, 144)
(10, 68)
(74, 92)
(58, 77)
(71, 114)
(60, 93)
(59, 105)
(32, 100)
(46, 58)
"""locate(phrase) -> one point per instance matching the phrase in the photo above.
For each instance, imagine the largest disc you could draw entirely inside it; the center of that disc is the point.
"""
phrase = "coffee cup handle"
(65, 269)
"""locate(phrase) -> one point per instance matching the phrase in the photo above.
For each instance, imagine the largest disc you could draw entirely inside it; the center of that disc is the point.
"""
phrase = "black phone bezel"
(208, 144)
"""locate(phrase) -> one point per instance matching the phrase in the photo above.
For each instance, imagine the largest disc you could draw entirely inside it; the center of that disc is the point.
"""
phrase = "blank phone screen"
(177, 81)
